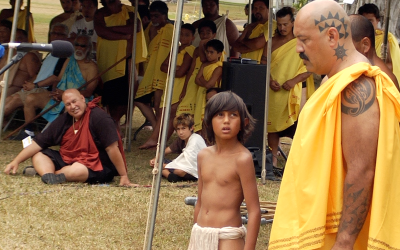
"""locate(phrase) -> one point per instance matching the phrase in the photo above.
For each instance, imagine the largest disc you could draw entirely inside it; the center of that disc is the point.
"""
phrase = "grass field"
(79, 216)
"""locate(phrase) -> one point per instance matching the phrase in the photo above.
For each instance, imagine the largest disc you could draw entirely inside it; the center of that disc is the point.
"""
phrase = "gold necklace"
(73, 125)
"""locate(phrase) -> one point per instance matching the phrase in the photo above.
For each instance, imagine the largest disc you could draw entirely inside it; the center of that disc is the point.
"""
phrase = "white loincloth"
(208, 237)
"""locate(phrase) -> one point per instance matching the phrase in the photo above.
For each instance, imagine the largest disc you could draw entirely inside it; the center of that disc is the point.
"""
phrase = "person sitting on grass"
(208, 77)
(90, 146)
(184, 167)
(226, 177)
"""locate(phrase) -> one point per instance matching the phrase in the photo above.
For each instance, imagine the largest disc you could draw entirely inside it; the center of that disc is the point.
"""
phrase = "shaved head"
(324, 37)
(74, 103)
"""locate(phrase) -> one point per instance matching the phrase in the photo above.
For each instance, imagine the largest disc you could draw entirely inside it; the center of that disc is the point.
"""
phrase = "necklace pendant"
(75, 131)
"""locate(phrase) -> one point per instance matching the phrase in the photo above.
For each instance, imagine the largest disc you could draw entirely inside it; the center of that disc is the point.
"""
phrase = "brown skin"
(68, 11)
(39, 100)
(227, 167)
(360, 123)
(244, 44)
(285, 34)
(211, 12)
(75, 105)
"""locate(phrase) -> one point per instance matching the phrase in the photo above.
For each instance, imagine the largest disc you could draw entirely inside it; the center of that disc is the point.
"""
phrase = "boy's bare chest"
(221, 171)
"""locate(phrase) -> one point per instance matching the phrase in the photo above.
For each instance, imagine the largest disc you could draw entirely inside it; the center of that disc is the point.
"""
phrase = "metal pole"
(165, 122)
(132, 80)
(200, 10)
(385, 35)
(28, 10)
(250, 13)
(264, 154)
(10, 55)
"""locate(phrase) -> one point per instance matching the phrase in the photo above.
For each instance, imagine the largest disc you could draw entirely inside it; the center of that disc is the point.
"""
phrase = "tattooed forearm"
(358, 96)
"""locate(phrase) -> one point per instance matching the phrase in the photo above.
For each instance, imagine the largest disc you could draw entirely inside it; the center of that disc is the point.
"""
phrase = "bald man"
(363, 35)
(91, 149)
(346, 148)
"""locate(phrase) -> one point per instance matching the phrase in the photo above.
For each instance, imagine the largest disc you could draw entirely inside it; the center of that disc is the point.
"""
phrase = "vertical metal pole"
(250, 13)
(27, 18)
(10, 55)
(165, 122)
(386, 33)
(201, 9)
(264, 154)
(132, 79)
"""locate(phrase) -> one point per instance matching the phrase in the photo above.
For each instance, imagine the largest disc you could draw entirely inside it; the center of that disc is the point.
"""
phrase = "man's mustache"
(303, 56)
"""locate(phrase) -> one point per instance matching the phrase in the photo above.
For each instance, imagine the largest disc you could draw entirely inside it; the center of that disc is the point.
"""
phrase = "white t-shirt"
(187, 160)
(85, 28)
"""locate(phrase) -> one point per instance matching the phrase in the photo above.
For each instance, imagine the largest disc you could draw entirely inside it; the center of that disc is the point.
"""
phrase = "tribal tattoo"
(358, 96)
(340, 52)
(333, 21)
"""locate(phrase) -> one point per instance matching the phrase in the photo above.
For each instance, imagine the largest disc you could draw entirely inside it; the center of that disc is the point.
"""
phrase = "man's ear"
(192, 129)
(365, 45)
(333, 37)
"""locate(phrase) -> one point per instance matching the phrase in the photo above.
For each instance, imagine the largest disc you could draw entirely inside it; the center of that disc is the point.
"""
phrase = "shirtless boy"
(227, 166)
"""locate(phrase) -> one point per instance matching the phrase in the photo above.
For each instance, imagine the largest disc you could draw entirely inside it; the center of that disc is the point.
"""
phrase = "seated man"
(77, 70)
(91, 149)
(363, 35)
(189, 144)
(5, 31)
(8, 14)
(24, 70)
(47, 76)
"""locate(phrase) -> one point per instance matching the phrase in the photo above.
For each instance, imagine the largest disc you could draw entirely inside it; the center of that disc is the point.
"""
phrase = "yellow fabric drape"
(201, 95)
(311, 194)
(180, 81)
(284, 106)
(188, 103)
(22, 22)
(266, 31)
(394, 50)
(110, 51)
(159, 48)
(310, 86)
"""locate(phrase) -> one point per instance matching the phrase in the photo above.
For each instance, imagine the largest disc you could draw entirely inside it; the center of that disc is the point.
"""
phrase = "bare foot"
(148, 144)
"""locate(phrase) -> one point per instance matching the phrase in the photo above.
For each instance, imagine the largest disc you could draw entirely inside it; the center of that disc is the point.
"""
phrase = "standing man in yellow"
(114, 27)
(339, 190)
(8, 14)
(153, 83)
(254, 37)
(287, 75)
(371, 12)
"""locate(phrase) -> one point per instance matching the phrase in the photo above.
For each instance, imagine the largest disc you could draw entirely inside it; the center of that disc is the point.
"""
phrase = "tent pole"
(10, 55)
(129, 115)
(386, 33)
(27, 18)
(264, 152)
(250, 13)
(165, 121)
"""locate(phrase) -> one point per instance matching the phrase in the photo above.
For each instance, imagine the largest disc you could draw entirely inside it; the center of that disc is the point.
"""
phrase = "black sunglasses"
(80, 45)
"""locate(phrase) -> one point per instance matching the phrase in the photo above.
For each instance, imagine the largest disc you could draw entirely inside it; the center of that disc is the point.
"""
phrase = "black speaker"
(248, 82)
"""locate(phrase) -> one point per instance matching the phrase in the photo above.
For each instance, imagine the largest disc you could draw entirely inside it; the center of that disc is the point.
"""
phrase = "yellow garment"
(201, 95)
(22, 23)
(266, 31)
(159, 48)
(147, 38)
(179, 82)
(310, 86)
(394, 50)
(284, 105)
(311, 194)
(256, 32)
(110, 51)
(188, 103)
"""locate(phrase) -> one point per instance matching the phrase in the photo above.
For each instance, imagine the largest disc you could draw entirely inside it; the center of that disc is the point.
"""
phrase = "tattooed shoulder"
(358, 96)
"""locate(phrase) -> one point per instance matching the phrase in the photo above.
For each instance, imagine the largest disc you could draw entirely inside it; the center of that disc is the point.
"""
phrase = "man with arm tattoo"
(339, 188)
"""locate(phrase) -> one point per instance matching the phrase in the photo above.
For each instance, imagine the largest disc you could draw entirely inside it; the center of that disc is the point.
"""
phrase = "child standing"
(208, 77)
(184, 167)
(226, 177)
(207, 31)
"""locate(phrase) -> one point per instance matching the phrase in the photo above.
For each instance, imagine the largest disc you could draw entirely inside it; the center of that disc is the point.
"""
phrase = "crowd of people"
(343, 135)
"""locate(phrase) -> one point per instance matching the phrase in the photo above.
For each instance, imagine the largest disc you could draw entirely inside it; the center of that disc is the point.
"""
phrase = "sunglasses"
(80, 45)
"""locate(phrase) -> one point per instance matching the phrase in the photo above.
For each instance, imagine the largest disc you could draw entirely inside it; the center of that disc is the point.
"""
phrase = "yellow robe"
(201, 95)
(284, 106)
(256, 32)
(394, 50)
(179, 82)
(22, 23)
(188, 103)
(159, 48)
(311, 194)
(110, 51)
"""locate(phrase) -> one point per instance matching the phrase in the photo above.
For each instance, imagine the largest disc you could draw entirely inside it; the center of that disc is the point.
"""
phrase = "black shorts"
(116, 91)
(175, 178)
(103, 176)
(146, 98)
(289, 132)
